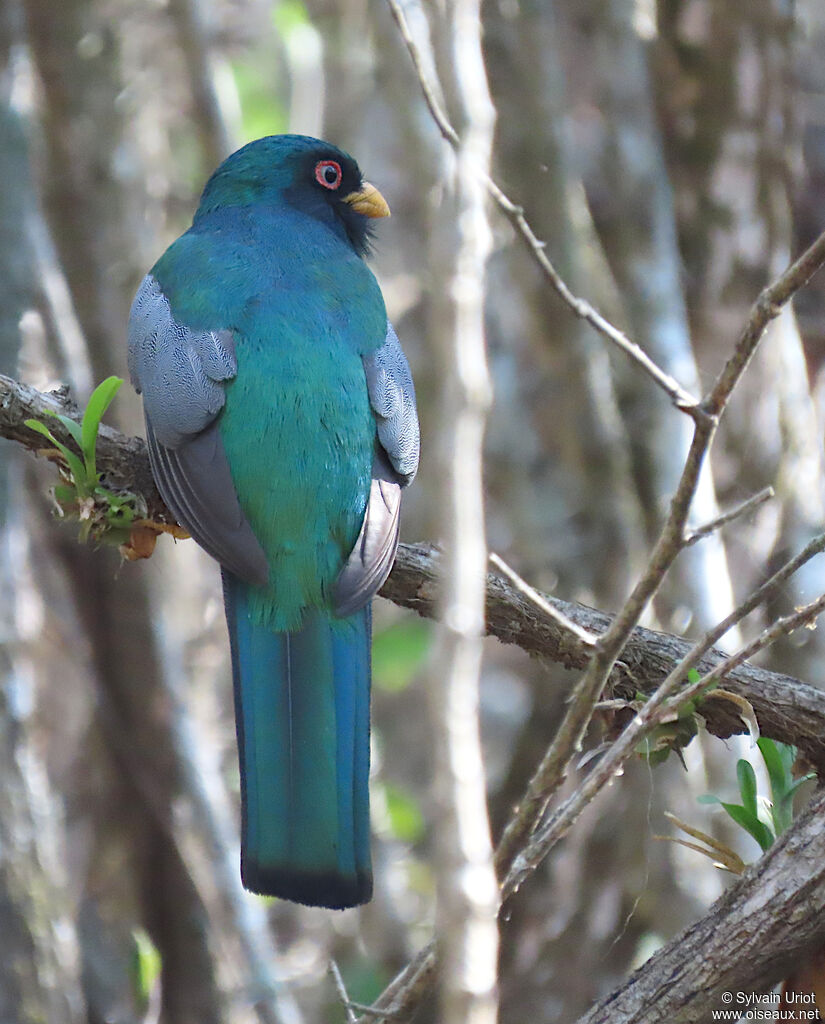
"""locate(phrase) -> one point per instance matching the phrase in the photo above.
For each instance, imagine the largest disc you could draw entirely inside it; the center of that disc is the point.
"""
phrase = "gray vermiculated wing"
(180, 374)
(392, 397)
(371, 559)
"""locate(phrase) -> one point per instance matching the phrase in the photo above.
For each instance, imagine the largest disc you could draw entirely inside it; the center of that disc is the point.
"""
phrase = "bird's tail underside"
(302, 716)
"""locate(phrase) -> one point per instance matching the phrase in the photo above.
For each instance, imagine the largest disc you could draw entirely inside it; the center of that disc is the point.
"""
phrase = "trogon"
(282, 427)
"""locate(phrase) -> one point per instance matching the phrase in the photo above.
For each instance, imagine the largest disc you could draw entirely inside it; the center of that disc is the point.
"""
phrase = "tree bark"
(787, 709)
(763, 928)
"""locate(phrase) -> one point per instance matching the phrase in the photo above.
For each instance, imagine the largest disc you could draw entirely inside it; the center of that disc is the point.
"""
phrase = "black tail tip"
(312, 888)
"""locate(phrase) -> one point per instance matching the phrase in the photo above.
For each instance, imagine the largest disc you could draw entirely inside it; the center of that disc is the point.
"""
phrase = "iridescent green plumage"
(281, 426)
(297, 426)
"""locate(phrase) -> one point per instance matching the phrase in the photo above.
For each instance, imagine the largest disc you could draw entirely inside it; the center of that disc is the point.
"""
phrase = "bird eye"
(328, 173)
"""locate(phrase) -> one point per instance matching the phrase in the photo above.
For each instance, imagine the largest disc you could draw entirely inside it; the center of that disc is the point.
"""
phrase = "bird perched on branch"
(281, 424)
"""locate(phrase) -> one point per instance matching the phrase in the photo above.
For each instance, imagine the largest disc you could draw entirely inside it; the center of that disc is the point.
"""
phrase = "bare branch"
(541, 602)
(671, 541)
(342, 992)
(438, 113)
(466, 884)
(788, 709)
(681, 398)
(766, 308)
(760, 929)
(667, 698)
(400, 998)
(550, 774)
(738, 512)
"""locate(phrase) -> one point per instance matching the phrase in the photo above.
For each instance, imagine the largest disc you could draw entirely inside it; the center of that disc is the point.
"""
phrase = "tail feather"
(302, 716)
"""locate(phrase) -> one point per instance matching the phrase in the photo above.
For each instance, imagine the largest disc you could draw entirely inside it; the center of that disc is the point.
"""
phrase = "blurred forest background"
(672, 155)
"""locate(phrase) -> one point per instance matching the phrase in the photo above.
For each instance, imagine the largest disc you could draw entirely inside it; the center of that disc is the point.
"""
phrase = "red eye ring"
(328, 174)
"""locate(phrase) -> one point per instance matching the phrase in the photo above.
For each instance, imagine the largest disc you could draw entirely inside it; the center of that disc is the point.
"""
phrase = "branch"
(526, 855)
(123, 461)
(787, 709)
(466, 912)
(681, 398)
(762, 928)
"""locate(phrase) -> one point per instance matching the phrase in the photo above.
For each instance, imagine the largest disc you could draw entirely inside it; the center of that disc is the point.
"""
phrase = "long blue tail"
(302, 716)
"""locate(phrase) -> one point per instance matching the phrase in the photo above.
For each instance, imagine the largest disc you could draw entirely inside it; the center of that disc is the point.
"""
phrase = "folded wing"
(181, 375)
(392, 397)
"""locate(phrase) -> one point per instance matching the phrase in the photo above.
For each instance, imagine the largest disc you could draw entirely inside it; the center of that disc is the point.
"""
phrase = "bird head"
(312, 176)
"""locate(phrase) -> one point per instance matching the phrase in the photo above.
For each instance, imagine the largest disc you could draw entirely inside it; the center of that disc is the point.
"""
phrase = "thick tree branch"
(123, 461)
(787, 709)
(754, 936)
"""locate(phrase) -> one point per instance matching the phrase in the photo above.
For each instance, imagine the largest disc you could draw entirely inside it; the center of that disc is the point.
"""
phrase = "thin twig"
(552, 769)
(672, 537)
(342, 993)
(767, 307)
(410, 986)
(436, 110)
(680, 397)
(541, 602)
(660, 706)
(743, 509)
(375, 1014)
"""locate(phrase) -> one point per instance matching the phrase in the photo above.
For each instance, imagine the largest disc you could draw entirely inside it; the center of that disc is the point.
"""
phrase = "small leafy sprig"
(676, 731)
(104, 515)
(760, 817)
(764, 819)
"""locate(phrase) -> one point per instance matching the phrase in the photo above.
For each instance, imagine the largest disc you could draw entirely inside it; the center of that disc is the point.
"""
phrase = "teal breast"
(297, 426)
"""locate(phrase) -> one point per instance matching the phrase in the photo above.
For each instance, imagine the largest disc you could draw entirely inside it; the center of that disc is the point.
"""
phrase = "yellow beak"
(369, 201)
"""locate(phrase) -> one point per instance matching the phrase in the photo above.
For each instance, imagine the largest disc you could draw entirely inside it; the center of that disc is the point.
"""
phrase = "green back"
(297, 426)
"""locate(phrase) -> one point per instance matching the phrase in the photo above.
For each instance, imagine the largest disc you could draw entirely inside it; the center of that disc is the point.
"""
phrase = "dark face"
(308, 174)
(325, 182)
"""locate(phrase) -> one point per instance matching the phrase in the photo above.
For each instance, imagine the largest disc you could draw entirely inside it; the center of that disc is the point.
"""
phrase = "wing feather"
(195, 482)
(181, 373)
(371, 559)
(392, 396)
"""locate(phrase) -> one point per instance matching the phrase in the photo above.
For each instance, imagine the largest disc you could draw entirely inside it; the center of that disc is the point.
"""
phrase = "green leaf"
(748, 821)
(406, 818)
(747, 785)
(146, 965)
(76, 467)
(779, 759)
(72, 426)
(782, 810)
(99, 401)
(777, 774)
(788, 755)
(398, 652)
